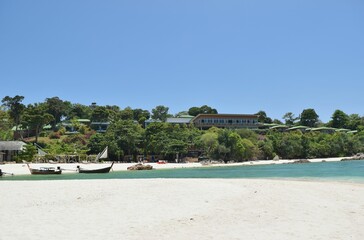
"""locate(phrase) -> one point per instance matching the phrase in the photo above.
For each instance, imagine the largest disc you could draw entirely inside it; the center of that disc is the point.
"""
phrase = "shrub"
(54, 135)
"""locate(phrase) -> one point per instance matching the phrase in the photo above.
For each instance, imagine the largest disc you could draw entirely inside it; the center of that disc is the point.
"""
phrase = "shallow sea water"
(348, 171)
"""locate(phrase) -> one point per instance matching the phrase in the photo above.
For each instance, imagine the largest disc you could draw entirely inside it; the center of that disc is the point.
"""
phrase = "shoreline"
(70, 168)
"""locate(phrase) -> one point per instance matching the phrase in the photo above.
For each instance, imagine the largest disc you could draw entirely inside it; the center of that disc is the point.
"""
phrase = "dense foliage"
(128, 138)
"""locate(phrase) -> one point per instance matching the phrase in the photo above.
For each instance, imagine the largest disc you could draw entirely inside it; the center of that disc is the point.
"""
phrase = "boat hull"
(45, 170)
(100, 170)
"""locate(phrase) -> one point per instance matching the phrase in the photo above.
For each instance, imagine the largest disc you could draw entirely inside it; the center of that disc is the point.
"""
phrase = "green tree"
(210, 142)
(289, 118)
(266, 150)
(141, 115)
(309, 117)
(179, 114)
(263, 118)
(5, 126)
(15, 108)
(97, 143)
(35, 117)
(233, 147)
(354, 121)
(126, 136)
(127, 114)
(250, 150)
(57, 108)
(194, 111)
(248, 134)
(78, 111)
(100, 114)
(287, 144)
(160, 113)
(170, 140)
(339, 119)
(28, 154)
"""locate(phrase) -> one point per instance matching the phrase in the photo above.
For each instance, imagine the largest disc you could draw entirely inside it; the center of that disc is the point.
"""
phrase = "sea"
(347, 171)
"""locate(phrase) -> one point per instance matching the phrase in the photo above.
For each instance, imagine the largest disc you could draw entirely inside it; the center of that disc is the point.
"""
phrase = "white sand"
(181, 209)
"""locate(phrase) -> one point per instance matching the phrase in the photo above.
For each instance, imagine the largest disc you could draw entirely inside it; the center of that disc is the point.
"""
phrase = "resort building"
(183, 119)
(71, 127)
(328, 130)
(205, 121)
(279, 128)
(99, 127)
(9, 149)
(299, 128)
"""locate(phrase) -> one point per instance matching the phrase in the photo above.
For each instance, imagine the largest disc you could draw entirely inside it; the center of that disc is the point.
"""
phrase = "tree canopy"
(309, 117)
(128, 138)
(194, 111)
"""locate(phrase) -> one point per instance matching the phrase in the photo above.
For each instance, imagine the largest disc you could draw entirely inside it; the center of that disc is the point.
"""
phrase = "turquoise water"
(352, 171)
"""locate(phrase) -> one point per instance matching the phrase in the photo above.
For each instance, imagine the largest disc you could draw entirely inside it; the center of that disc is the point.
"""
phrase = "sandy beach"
(22, 169)
(181, 209)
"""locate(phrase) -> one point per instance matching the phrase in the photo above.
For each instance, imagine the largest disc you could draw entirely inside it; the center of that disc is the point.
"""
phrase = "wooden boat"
(4, 173)
(44, 170)
(99, 170)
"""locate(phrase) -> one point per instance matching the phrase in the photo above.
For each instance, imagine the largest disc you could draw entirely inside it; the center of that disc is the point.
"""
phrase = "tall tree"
(289, 118)
(263, 118)
(127, 114)
(160, 113)
(126, 136)
(57, 108)
(78, 111)
(15, 107)
(309, 117)
(5, 125)
(35, 117)
(339, 119)
(100, 114)
(194, 111)
(354, 121)
(140, 115)
(209, 142)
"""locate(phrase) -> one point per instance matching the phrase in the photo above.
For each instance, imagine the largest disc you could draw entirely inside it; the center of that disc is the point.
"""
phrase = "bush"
(54, 135)
(76, 138)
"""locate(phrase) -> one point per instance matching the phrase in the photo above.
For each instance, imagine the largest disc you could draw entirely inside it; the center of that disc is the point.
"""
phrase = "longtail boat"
(44, 170)
(99, 170)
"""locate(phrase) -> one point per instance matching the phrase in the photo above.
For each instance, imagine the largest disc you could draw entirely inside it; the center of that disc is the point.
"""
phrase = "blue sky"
(236, 56)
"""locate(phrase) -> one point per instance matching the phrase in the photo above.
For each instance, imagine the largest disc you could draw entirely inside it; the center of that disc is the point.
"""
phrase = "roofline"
(224, 114)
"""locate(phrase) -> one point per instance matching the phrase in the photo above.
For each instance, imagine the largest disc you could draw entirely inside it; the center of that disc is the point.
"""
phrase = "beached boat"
(44, 170)
(99, 170)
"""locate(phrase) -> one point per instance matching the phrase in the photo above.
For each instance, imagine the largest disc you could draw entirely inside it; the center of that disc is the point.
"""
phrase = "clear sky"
(238, 56)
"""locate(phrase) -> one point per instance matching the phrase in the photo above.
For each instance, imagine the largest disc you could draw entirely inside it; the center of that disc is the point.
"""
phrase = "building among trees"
(9, 149)
(205, 121)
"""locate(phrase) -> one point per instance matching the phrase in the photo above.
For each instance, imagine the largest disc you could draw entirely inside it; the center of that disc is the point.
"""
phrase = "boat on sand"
(44, 170)
(99, 170)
